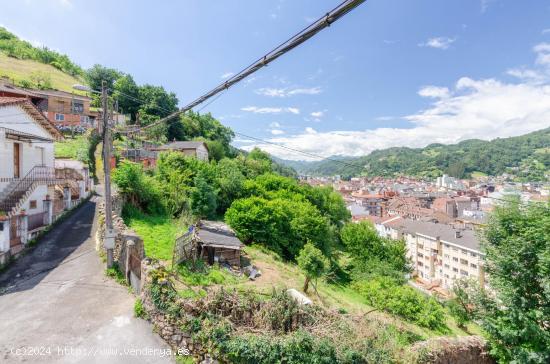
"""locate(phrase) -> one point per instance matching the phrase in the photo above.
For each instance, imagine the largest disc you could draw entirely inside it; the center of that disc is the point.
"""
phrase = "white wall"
(4, 237)
(39, 195)
(31, 154)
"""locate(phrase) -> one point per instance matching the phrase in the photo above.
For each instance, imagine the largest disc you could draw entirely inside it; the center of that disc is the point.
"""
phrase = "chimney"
(458, 234)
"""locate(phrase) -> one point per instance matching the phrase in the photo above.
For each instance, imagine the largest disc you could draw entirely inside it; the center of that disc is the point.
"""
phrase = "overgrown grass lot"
(72, 148)
(157, 231)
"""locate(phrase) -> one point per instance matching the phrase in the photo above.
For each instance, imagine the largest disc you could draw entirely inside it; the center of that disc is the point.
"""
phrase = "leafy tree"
(516, 310)
(98, 73)
(126, 92)
(141, 190)
(462, 305)
(158, 103)
(369, 250)
(203, 197)
(230, 181)
(312, 262)
(283, 225)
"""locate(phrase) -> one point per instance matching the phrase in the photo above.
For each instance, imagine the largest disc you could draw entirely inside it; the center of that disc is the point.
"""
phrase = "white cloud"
(545, 31)
(538, 75)
(271, 110)
(438, 42)
(384, 118)
(275, 125)
(286, 92)
(473, 108)
(434, 92)
(277, 131)
(543, 53)
(317, 114)
(226, 75)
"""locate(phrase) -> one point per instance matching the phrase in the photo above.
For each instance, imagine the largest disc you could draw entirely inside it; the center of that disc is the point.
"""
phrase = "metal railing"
(38, 174)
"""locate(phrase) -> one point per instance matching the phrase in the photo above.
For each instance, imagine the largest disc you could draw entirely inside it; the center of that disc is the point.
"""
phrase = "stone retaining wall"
(448, 350)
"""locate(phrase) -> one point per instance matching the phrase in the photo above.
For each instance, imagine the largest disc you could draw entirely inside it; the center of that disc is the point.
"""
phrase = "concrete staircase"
(16, 193)
(4, 193)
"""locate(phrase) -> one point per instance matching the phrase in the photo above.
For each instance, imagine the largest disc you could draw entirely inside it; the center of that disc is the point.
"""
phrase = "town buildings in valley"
(438, 219)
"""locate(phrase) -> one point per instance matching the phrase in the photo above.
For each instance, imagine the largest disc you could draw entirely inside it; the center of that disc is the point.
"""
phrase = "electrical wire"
(296, 40)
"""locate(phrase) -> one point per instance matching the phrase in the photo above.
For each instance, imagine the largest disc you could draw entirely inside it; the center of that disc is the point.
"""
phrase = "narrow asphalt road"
(57, 306)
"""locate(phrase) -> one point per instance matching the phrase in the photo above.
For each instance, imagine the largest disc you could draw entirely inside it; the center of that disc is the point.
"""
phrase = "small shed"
(216, 242)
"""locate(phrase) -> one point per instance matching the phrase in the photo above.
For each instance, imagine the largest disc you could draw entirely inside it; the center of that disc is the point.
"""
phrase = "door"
(15, 232)
(16, 160)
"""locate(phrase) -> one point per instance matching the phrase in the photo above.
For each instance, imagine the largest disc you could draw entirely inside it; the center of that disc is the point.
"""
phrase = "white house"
(28, 179)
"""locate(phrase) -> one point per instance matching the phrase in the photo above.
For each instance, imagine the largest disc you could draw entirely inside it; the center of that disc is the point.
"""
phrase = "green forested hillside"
(526, 156)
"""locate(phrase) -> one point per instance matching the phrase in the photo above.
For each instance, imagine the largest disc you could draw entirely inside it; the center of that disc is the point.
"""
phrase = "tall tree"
(98, 73)
(158, 103)
(516, 310)
(126, 92)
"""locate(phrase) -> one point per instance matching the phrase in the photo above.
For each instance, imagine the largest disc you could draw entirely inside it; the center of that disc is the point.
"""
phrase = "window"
(455, 269)
(32, 204)
(473, 265)
(78, 107)
(473, 254)
(447, 266)
(446, 256)
(446, 276)
(420, 255)
(463, 272)
(59, 117)
(463, 261)
(455, 259)
(464, 252)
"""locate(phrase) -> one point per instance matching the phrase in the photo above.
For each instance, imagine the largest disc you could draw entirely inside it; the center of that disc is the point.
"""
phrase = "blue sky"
(391, 73)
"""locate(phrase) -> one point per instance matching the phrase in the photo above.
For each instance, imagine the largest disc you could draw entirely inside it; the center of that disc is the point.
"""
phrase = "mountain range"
(526, 157)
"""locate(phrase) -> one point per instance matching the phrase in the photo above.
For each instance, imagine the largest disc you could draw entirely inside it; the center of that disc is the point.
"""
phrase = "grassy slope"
(21, 69)
(73, 148)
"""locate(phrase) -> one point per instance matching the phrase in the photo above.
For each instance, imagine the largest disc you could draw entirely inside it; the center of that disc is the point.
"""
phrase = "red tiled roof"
(33, 112)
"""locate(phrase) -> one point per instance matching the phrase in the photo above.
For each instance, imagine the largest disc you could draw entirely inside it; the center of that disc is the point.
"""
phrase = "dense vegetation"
(515, 311)
(527, 157)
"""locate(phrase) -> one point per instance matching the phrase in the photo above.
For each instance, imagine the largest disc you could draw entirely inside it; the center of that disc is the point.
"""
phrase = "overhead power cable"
(311, 155)
(302, 36)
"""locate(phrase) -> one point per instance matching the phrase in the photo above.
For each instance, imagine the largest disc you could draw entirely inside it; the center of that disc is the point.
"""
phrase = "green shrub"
(139, 310)
(385, 294)
(115, 273)
(140, 189)
(300, 347)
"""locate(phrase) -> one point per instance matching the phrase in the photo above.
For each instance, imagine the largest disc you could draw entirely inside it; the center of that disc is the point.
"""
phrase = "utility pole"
(109, 234)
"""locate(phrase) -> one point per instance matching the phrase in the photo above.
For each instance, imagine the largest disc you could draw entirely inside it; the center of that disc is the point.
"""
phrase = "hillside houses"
(195, 149)
(65, 110)
(33, 193)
